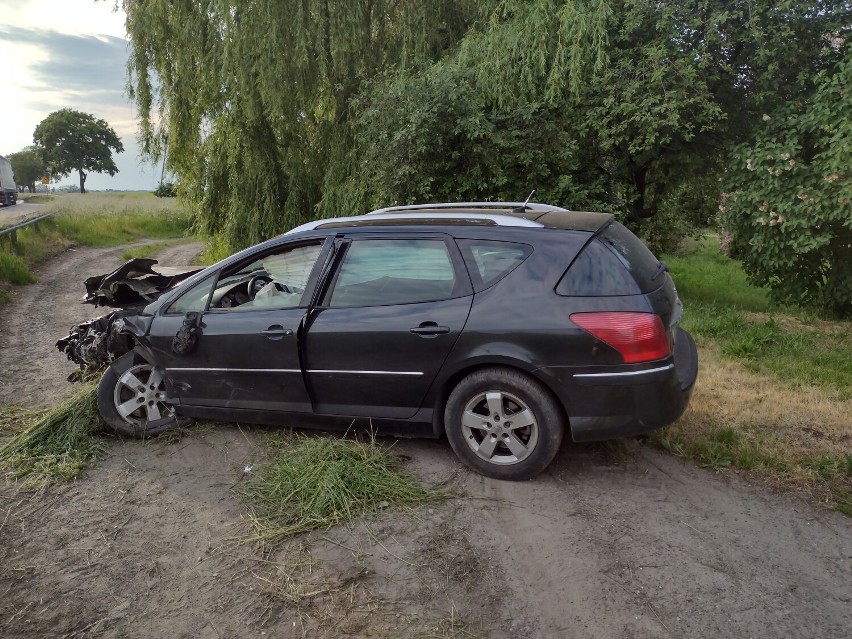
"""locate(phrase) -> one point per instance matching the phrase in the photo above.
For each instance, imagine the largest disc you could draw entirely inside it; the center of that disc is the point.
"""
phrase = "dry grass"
(125, 202)
(808, 417)
(798, 437)
(53, 446)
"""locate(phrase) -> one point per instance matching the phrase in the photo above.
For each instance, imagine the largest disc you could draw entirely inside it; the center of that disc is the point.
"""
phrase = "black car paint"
(482, 332)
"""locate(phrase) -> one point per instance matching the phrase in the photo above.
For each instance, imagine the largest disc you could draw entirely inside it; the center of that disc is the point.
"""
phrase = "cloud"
(86, 72)
(92, 65)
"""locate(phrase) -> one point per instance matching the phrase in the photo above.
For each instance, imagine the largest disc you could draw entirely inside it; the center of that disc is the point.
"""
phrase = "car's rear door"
(381, 332)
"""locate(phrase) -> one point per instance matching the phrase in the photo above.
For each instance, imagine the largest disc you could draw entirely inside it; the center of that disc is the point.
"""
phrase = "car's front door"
(381, 333)
(247, 350)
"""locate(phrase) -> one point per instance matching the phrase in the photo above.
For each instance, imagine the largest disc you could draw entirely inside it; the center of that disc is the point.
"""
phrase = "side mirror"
(187, 336)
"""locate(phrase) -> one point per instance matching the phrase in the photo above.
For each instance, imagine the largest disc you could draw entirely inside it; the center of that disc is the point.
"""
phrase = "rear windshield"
(616, 262)
(634, 255)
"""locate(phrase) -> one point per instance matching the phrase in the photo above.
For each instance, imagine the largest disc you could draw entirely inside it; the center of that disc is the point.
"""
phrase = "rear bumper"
(621, 403)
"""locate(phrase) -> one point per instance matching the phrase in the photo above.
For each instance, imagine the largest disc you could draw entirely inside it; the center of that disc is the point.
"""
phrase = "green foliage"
(58, 445)
(314, 483)
(789, 200)
(28, 167)
(248, 101)
(75, 141)
(13, 270)
(273, 112)
(430, 136)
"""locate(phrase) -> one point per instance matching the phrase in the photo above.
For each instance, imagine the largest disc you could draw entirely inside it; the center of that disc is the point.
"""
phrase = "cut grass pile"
(315, 482)
(54, 446)
(774, 393)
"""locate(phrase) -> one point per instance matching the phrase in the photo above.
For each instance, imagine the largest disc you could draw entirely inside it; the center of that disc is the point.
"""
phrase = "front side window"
(277, 280)
(384, 272)
(194, 299)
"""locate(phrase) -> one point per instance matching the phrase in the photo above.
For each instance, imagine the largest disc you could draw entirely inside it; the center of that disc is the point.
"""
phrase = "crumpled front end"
(93, 345)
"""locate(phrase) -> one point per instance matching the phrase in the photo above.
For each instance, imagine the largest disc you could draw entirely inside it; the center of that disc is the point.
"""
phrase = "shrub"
(788, 204)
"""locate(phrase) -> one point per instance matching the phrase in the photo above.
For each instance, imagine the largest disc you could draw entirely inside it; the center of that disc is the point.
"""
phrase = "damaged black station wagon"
(502, 325)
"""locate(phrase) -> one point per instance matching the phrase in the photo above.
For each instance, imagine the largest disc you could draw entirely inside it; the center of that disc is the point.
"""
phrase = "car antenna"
(523, 207)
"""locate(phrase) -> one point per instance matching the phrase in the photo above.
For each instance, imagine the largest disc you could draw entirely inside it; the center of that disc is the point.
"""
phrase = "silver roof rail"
(497, 219)
(527, 206)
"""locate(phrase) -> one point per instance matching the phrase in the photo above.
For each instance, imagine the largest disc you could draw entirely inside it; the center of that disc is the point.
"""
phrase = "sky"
(69, 53)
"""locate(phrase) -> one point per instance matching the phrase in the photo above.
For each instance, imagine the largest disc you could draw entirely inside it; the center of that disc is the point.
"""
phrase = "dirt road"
(613, 541)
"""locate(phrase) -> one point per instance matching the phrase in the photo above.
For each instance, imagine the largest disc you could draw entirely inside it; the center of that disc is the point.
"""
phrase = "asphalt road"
(10, 215)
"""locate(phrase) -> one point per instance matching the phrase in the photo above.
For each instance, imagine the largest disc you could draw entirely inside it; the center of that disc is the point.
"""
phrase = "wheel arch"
(452, 379)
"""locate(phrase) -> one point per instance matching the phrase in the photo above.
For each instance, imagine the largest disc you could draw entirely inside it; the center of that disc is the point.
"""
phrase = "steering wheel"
(256, 283)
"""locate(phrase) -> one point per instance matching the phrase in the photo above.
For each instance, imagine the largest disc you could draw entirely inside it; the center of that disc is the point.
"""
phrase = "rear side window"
(633, 254)
(383, 272)
(489, 262)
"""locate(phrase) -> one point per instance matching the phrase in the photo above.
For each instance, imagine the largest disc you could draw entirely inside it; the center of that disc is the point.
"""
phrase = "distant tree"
(28, 167)
(76, 141)
(166, 189)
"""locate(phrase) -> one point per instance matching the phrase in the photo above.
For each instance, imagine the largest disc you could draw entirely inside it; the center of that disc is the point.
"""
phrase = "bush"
(789, 196)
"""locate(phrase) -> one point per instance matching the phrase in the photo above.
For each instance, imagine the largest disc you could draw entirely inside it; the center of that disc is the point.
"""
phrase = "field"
(93, 219)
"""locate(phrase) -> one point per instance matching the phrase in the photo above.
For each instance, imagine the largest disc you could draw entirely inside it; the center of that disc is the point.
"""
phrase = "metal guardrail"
(12, 231)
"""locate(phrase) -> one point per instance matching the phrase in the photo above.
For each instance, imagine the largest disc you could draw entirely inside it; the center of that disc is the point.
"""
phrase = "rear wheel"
(503, 424)
(131, 398)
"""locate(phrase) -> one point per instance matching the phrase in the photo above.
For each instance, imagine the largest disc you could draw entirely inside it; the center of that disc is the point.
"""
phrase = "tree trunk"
(82, 181)
(31, 186)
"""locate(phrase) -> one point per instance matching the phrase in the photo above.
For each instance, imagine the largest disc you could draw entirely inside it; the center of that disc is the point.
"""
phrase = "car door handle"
(429, 329)
(276, 332)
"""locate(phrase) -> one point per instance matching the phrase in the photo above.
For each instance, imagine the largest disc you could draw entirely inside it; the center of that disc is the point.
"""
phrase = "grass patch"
(55, 446)
(774, 392)
(108, 229)
(720, 307)
(34, 198)
(743, 419)
(314, 483)
(13, 270)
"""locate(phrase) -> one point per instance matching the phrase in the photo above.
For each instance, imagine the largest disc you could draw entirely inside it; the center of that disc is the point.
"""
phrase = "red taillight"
(639, 337)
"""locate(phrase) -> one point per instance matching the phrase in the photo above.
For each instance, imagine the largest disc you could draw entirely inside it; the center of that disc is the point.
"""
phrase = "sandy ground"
(612, 541)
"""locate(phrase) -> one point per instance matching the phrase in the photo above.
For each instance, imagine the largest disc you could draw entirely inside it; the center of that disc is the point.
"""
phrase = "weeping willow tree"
(249, 101)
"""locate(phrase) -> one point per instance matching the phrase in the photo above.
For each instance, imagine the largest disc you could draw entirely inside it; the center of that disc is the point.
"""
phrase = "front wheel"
(131, 398)
(503, 424)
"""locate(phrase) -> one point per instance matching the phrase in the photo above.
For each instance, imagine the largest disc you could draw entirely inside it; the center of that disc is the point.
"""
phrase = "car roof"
(511, 214)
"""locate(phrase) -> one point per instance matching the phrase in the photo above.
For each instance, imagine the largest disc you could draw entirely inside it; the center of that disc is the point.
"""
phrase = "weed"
(14, 270)
(58, 445)
(318, 482)
(842, 499)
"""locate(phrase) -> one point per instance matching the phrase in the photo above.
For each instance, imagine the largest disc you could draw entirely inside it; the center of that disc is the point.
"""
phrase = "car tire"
(503, 424)
(127, 384)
